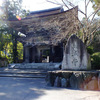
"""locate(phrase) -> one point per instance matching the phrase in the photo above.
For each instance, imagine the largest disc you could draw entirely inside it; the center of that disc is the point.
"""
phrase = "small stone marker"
(57, 82)
(75, 55)
(64, 82)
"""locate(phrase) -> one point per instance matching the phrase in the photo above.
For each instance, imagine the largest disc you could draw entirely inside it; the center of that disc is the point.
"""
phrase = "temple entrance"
(45, 55)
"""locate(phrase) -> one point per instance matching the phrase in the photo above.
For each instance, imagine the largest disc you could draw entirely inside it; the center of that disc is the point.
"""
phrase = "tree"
(96, 4)
(12, 8)
(5, 38)
(89, 29)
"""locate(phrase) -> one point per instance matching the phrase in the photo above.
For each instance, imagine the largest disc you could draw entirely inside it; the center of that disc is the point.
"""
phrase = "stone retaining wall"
(84, 80)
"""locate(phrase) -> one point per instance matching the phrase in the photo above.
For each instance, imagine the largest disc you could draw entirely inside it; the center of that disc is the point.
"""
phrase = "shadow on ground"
(36, 89)
(22, 88)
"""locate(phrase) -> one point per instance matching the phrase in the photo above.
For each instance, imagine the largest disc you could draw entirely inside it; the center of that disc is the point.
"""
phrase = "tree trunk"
(14, 41)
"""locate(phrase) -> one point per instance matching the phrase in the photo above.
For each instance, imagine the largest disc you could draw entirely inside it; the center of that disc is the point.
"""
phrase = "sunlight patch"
(1, 94)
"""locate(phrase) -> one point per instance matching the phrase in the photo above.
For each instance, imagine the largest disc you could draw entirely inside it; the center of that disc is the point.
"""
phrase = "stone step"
(22, 76)
(46, 66)
(29, 73)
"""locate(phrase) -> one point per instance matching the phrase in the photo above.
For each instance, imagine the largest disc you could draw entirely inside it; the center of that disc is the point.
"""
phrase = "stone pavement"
(36, 89)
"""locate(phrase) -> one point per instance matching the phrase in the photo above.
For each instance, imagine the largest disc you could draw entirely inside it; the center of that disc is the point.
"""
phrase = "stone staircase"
(28, 70)
(23, 73)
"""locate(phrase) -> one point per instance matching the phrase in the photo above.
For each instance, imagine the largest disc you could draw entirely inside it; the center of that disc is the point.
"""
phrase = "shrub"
(90, 50)
(95, 58)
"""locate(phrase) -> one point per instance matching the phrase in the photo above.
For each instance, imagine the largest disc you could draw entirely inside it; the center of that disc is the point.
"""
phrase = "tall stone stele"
(75, 55)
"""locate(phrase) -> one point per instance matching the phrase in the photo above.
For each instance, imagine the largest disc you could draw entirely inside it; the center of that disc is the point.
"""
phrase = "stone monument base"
(84, 80)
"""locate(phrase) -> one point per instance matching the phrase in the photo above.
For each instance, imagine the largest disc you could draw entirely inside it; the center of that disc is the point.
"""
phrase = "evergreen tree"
(12, 9)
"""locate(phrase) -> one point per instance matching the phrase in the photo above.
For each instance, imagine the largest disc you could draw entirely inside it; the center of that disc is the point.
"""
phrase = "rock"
(76, 80)
(66, 75)
(75, 55)
(64, 82)
(57, 82)
(92, 85)
(87, 77)
(50, 79)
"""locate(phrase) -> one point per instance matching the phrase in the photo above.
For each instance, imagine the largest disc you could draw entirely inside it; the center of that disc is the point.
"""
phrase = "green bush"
(95, 58)
(90, 50)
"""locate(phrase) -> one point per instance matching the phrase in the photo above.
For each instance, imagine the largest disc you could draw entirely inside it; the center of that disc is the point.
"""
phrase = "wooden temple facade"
(45, 33)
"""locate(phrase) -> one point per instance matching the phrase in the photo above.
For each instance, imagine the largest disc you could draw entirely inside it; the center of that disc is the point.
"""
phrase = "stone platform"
(84, 80)
(45, 66)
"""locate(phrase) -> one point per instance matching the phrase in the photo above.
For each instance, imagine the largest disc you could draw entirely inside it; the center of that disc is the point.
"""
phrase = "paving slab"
(36, 89)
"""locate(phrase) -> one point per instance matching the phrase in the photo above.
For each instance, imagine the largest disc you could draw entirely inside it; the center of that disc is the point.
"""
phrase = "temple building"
(45, 33)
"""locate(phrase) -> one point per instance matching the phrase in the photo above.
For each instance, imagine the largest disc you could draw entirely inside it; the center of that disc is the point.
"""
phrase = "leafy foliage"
(8, 36)
(13, 8)
(90, 50)
(10, 48)
(96, 60)
(96, 4)
(20, 50)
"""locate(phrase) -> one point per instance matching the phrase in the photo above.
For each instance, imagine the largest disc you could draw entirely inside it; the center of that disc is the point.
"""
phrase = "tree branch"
(93, 34)
(55, 3)
(65, 4)
(88, 3)
(72, 5)
(95, 12)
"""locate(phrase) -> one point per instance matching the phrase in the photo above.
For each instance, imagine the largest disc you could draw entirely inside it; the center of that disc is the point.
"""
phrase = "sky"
(43, 4)
(37, 5)
(34, 5)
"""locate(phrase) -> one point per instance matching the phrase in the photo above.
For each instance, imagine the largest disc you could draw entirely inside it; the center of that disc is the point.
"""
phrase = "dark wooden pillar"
(58, 54)
(51, 54)
(23, 53)
(62, 50)
(30, 55)
(26, 54)
(34, 54)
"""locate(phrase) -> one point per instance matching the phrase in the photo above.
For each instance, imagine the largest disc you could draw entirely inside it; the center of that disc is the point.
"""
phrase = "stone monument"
(75, 55)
